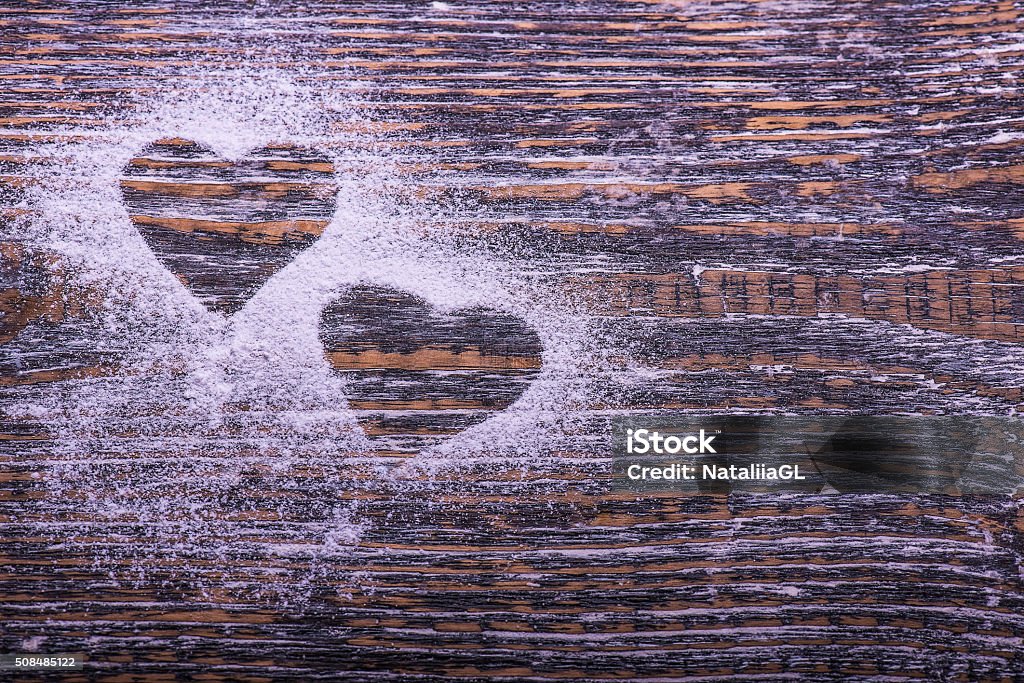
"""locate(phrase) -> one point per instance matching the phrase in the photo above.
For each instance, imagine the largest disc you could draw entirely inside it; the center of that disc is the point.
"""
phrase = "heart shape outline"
(421, 374)
(185, 201)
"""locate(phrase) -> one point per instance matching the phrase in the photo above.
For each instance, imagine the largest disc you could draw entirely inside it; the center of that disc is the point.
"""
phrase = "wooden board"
(774, 206)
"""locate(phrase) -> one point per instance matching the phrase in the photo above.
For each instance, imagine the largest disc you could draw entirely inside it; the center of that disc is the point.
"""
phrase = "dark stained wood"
(225, 227)
(435, 374)
(778, 206)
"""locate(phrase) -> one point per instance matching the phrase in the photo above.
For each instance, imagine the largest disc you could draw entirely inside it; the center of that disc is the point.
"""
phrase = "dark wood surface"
(772, 206)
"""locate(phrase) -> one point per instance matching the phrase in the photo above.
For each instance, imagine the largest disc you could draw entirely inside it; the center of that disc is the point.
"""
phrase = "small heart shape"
(419, 376)
(225, 227)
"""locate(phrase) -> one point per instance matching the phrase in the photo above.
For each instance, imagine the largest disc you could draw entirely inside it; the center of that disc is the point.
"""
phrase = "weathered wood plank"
(773, 206)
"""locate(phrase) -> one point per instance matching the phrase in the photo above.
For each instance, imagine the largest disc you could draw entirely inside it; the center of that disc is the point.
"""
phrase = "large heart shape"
(225, 227)
(417, 376)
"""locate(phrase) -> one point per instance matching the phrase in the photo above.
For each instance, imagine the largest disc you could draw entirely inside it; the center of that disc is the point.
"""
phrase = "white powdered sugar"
(202, 409)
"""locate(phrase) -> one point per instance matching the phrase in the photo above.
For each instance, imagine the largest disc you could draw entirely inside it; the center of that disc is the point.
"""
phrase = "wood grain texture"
(794, 206)
(225, 227)
(412, 369)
